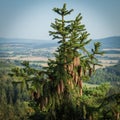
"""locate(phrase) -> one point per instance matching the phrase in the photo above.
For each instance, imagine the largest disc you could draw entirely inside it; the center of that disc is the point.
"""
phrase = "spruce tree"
(73, 62)
(60, 84)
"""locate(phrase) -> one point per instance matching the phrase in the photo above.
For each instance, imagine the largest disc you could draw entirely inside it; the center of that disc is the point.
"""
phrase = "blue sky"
(32, 18)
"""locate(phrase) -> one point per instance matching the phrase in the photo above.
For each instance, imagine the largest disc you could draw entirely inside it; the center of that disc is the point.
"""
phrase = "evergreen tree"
(60, 84)
(73, 62)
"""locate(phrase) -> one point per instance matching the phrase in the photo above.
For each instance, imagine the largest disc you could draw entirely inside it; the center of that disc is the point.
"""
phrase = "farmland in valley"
(39, 51)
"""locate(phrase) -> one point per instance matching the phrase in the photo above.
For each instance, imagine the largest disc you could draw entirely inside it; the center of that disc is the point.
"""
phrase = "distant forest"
(14, 100)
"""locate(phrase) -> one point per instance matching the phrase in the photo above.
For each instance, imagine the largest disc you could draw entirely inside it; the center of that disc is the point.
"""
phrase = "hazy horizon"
(51, 38)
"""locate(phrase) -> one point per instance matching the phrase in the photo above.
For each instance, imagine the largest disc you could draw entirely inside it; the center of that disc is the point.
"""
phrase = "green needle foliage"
(57, 90)
(73, 62)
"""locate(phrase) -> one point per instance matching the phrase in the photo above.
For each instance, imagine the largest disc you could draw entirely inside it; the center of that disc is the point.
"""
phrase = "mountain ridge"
(109, 42)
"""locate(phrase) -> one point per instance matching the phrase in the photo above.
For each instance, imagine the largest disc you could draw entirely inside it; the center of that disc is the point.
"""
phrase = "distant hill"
(34, 43)
(107, 43)
(110, 42)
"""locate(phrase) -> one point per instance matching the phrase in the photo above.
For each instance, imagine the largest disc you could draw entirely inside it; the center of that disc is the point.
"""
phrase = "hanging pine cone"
(77, 61)
(58, 89)
(80, 83)
(76, 78)
(61, 86)
(70, 68)
(74, 62)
